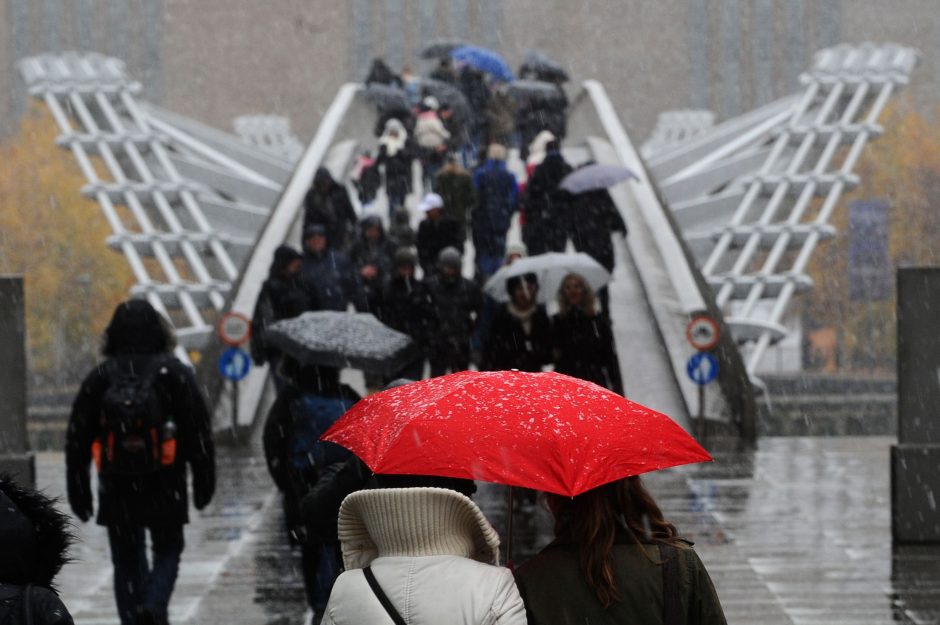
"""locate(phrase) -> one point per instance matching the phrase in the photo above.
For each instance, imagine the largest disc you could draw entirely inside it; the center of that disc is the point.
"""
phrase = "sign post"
(234, 363)
(703, 334)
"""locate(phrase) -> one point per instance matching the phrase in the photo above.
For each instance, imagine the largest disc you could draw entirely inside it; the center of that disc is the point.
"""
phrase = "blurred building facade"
(216, 59)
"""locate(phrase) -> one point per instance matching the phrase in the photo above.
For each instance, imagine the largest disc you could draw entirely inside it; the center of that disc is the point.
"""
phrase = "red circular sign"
(234, 328)
(703, 333)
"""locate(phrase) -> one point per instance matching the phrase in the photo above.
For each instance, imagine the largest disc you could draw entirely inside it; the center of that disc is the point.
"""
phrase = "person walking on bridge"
(616, 560)
(141, 417)
(583, 342)
(497, 196)
(546, 205)
(327, 203)
(327, 272)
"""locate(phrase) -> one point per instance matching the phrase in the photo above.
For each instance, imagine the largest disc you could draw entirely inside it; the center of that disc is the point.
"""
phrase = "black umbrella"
(448, 94)
(343, 339)
(541, 67)
(537, 92)
(440, 48)
(387, 97)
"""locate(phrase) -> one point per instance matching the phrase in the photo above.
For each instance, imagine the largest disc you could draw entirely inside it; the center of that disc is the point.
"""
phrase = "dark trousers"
(322, 563)
(140, 585)
(451, 363)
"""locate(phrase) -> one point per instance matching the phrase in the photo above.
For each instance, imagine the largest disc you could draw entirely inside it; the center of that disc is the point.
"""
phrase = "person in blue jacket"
(497, 195)
(296, 458)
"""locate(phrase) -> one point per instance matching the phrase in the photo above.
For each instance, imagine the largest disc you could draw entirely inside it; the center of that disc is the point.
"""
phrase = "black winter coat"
(406, 307)
(379, 255)
(45, 606)
(592, 218)
(456, 189)
(584, 348)
(435, 235)
(327, 203)
(397, 170)
(159, 498)
(280, 298)
(330, 279)
(455, 305)
(509, 347)
(34, 542)
(546, 207)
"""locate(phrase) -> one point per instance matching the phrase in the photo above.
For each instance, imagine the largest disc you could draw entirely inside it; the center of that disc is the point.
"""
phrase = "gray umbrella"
(595, 176)
(440, 48)
(543, 68)
(387, 97)
(343, 339)
(536, 91)
(448, 94)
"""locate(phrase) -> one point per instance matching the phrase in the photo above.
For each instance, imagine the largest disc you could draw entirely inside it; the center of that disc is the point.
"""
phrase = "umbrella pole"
(509, 563)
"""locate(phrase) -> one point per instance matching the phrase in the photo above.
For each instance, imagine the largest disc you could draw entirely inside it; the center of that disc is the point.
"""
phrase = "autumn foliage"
(903, 168)
(55, 237)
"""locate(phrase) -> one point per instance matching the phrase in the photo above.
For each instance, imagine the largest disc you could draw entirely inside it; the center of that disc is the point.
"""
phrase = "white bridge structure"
(721, 216)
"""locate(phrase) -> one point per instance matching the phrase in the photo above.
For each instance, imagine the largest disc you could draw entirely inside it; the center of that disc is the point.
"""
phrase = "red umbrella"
(544, 431)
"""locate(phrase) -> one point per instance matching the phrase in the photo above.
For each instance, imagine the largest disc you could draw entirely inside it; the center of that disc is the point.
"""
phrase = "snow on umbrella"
(539, 65)
(387, 97)
(484, 60)
(544, 431)
(342, 339)
(550, 269)
(440, 48)
(595, 176)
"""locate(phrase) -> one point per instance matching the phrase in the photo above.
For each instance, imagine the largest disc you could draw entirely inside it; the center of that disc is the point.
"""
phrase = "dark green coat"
(556, 592)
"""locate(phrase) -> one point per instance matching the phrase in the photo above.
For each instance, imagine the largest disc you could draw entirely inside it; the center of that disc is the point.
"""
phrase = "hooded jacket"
(432, 553)
(282, 296)
(327, 203)
(34, 540)
(136, 339)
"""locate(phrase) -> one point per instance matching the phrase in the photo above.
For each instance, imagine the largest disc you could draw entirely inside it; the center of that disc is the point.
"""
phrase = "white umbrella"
(551, 270)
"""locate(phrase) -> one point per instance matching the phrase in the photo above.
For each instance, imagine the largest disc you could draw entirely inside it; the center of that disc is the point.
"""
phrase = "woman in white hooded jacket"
(432, 554)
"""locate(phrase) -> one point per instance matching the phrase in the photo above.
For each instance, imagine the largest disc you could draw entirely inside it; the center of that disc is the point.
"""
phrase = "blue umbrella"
(484, 60)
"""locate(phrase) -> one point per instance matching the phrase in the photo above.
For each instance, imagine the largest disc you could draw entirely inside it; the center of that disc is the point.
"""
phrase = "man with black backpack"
(141, 418)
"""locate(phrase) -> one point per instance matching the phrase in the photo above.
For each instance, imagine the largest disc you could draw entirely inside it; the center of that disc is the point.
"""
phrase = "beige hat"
(413, 522)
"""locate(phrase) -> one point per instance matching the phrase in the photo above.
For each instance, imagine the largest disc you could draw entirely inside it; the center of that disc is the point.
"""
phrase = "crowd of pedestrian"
(141, 420)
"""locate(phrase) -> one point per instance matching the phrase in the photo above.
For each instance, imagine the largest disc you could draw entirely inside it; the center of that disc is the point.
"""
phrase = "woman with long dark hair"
(616, 559)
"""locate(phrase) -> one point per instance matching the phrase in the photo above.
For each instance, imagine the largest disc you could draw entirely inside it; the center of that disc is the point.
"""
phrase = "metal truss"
(185, 202)
(674, 128)
(270, 133)
(754, 196)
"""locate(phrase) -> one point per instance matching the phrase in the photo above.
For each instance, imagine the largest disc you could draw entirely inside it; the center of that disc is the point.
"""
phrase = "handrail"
(282, 218)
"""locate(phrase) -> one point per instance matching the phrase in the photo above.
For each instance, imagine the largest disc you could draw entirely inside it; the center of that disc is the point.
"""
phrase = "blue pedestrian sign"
(702, 368)
(234, 363)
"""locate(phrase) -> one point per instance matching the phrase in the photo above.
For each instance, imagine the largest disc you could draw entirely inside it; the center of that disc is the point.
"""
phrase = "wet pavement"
(797, 532)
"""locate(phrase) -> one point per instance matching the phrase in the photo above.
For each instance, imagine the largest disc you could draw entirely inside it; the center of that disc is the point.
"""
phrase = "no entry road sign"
(234, 328)
(703, 333)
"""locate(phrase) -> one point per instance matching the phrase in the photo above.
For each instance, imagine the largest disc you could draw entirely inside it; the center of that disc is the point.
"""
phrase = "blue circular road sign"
(234, 364)
(702, 368)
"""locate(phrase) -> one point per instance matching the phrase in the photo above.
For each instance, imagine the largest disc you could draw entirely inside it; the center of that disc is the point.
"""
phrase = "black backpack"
(137, 435)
